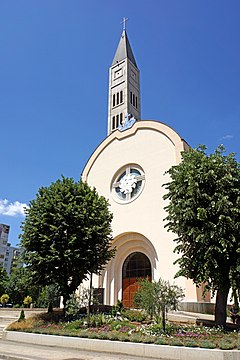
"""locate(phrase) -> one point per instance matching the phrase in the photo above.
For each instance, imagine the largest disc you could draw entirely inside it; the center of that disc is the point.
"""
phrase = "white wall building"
(128, 168)
(11, 260)
(4, 232)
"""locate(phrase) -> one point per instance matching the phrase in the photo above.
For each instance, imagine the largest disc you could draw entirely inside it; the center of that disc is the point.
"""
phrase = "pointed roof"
(124, 50)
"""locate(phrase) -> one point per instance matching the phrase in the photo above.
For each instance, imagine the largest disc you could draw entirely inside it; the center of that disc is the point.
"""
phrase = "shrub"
(149, 339)
(97, 320)
(92, 335)
(226, 345)
(4, 299)
(22, 316)
(161, 341)
(137, 338)
(207, 344)
(134, 315)
(191, 343)
(73, 306)
(27, 300)
(156, 298)
(103, 335)
(175, 342)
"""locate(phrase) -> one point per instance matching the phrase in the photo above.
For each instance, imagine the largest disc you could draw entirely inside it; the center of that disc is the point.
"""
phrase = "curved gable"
(179, 144)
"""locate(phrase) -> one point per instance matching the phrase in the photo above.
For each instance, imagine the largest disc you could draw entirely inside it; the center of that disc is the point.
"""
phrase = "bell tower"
(124, 85)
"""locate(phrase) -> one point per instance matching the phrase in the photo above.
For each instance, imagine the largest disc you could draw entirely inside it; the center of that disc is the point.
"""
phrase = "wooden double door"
(136, 266)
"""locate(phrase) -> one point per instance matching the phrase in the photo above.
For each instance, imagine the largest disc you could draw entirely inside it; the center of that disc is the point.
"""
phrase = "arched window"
(136, 265)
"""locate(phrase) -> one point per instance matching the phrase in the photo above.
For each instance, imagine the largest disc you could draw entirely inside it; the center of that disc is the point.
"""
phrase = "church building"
(128, 168)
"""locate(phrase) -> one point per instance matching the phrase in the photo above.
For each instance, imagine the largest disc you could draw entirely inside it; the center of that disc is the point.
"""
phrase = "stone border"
(118, 347)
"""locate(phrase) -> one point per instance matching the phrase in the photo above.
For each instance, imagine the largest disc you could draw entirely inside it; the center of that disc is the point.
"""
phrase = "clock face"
(118, 73)
(133, 75)
(128, 184)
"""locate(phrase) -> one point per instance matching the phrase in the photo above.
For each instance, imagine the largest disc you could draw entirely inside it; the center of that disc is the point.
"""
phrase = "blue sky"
(54, 60)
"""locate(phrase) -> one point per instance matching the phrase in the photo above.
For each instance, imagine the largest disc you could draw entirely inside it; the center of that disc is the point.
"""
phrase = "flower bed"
(119, 328)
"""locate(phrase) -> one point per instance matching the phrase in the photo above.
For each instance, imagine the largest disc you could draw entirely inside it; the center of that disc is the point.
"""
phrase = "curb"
(118, 347)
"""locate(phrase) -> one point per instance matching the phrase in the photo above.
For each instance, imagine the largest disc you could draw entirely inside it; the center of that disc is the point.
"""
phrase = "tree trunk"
(221, 306)
(89, 300)
(164, 318)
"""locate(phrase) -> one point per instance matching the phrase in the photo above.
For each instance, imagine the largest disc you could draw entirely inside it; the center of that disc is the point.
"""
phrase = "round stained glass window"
(128, 184)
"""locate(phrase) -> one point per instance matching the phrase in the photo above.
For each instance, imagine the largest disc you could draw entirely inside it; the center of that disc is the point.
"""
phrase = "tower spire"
(124, 85)
(124, 50)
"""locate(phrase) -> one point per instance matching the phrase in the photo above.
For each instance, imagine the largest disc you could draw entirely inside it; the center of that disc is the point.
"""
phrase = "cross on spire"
(124, 22)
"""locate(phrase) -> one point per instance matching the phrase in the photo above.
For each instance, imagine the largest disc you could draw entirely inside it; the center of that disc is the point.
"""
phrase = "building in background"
(4, 233)
(9, 255)
(12, 258)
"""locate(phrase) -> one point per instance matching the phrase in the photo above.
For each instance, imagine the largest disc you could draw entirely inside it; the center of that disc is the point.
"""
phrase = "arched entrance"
(135, 266)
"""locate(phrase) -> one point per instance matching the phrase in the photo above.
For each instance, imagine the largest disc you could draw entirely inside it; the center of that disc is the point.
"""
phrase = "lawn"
(130, 325)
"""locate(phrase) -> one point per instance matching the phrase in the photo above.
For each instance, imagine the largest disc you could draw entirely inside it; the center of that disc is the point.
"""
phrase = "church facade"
(128, 168)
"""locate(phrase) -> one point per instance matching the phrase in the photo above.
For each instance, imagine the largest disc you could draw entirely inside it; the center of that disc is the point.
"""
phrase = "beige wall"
(138, 225)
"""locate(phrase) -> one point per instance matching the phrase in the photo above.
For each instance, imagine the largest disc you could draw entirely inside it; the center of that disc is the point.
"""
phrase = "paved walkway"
(18, 351)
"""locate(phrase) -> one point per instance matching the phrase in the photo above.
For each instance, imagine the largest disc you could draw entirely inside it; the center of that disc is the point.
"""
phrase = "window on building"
(117, 121)
(128, 183)
(131, 96)
(113, 122)
(121, 97)
(114, 100)
(133, 100)
(136, 101)
(121, 118)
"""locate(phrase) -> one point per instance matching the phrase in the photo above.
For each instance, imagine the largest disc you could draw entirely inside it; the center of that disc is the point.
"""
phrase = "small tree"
(3, 279)
(4, 299)
(21, 316)
(66, 235)
(157, 298)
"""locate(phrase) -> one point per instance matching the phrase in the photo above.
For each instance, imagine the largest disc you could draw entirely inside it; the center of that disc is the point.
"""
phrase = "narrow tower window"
(136, 100)
(117, 122)
(114, 100)
(121, 118)
(113, 122)
(133, 100)
(121, 97)
(117, 98)
(131, 97)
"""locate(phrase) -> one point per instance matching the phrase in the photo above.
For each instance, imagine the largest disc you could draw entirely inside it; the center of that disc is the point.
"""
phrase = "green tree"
(49, 294)
(204, 212)
(19, 284)
(157, 298)
(3, 280)
(66, 235)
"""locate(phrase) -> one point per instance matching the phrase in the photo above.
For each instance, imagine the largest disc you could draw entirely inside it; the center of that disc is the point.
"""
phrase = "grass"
(121, 329)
